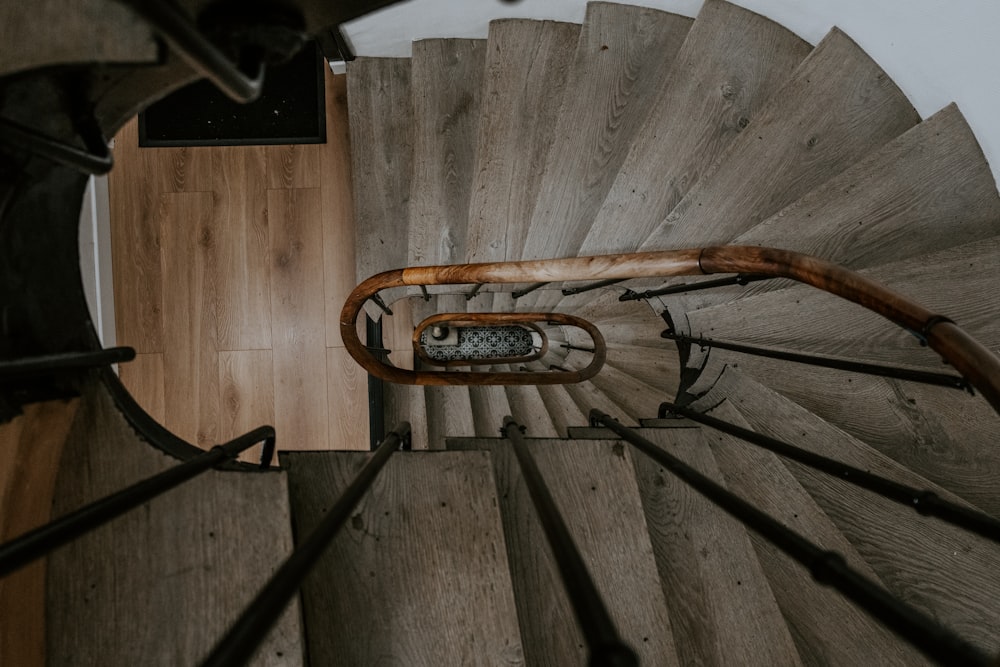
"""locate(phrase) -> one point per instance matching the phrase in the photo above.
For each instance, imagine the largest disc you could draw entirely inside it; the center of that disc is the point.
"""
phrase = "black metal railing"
(251, 628)
(923, 501)
(570, 291)
(924, 377)
(36, 543)
(739, 279)
(605, 646)
(47, 364)
(827, 567)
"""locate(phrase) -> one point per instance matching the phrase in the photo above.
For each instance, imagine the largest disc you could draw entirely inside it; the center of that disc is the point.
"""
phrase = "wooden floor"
(231, 265)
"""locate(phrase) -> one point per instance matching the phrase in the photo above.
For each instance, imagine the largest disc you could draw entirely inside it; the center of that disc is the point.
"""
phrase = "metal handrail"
(969, 357)
(922, 501)
(36, 543)
(827, 567)
(597, 628)
(250, 630)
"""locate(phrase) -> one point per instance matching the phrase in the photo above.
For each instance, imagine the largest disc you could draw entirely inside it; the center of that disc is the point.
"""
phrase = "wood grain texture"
(347, 391)
(721, 607)
(489, 407)
(730, 64)
(419, 575)
(293, 166)
(242, 268)
(527, 64)
(529, 409)
(144, 378)
(927, 190)
(190, 363)
(621, 63)
(183, 169)
(298, 328)
(942, 434)
(408, 403)
(660, 369)
(593, 485)
(943, 570)
(449, 414)
(89, 31)
(246, 396)
(381, 112)
(339, 230)
(827, 628)
(638, 399)
(30, 447)
(839, 328)
(561, 408)
(135, 243)
(189, 554)
(836, 107)
(447, 76)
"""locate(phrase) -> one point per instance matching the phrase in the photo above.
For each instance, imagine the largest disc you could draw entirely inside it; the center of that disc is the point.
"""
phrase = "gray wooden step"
(449, 414)
(447, 83)
(527, 63)
(594, 486)
(927, 190)
(561, 408)
(746, 57)
(621, 62)
(420, 574)
(381, 116)
(722, 609)
(946, 571)
(837, 107)
(529, 409)
(407, 403)
(489, 407)
(658, 367)
(838, 327)
(827, 628)
(200, 553)
(942, 434)
(635, 397)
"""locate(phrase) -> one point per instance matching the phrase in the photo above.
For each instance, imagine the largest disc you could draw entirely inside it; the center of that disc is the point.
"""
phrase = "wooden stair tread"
(489, 407)
(721, 606)
(407, 403)
(621, 61)
(836, 107)
(941, 434)
(944, 570)
(184, 555)
(447, 77)
(828, 629)
(561, 408)
(529, 408)
(386, 590)
(449, 413)
(746, 57)
(380, 107)
(838, 327)
(527, 63)
(927, 190)
(594, 486)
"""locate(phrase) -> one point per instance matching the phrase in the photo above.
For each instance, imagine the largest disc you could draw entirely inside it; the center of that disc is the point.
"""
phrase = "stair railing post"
(606, 647)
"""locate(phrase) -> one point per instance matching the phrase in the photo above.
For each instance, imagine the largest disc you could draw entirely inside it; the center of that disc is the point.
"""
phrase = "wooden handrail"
(969, 357)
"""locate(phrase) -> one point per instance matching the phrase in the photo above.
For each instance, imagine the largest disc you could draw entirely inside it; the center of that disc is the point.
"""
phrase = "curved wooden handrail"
(480, 319)
(969, 357)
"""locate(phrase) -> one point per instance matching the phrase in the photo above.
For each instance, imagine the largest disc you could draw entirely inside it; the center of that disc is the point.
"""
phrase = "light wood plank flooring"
(231, 265)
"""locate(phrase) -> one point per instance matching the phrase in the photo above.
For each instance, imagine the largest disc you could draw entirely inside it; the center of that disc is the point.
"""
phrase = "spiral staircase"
(637, 130)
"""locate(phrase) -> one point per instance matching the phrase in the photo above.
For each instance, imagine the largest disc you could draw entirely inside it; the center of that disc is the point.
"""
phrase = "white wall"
(937, 51)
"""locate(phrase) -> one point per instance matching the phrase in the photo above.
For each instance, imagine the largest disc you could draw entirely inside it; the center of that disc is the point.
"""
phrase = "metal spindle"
(66, 361)
(569, 291)
(474, 292)
(606, 647)
(827, 567)
(251, 628)
(739, 279)
(517, 294)
(378, 301)
(880, 370)
(38, 542)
